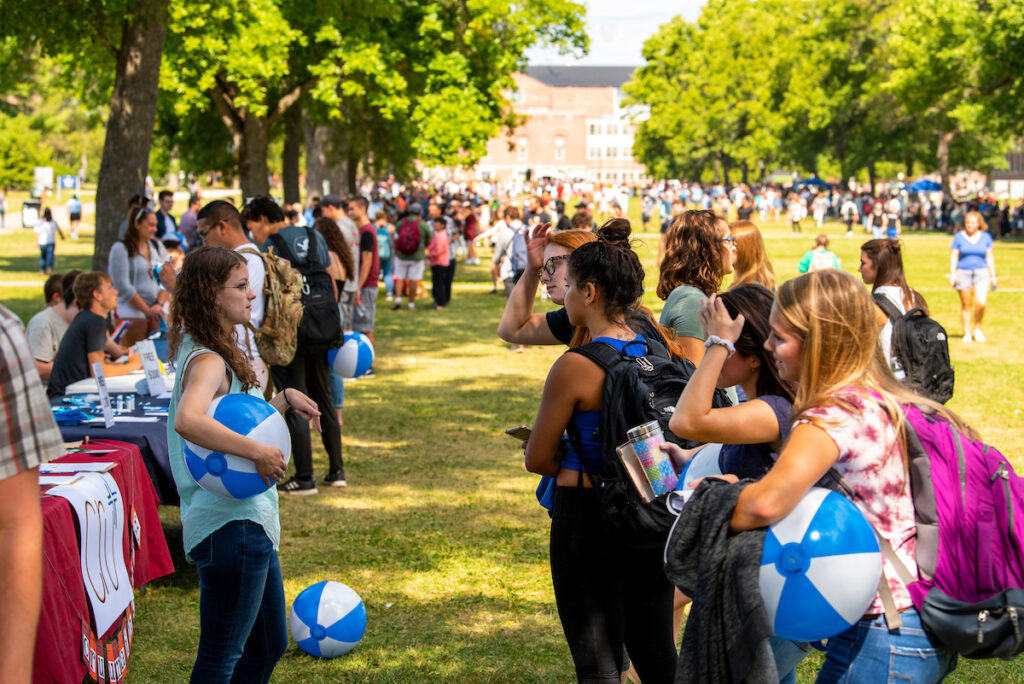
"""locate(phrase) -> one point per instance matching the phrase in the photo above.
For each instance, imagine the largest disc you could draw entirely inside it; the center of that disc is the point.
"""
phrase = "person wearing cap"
(334, 207)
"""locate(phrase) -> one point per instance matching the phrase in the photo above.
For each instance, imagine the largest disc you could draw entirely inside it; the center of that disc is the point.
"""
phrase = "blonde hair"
(834, 318)
(752, 263)
(569, 239)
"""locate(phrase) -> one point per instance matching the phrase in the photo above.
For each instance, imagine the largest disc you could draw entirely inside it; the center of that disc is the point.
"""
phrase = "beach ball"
(702, 464)
(328, 619)
(232, 476)
(819, 567)
(353, 358)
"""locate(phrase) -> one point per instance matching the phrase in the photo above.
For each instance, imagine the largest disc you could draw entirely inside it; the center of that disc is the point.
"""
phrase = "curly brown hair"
(195, 309)
(693, 254)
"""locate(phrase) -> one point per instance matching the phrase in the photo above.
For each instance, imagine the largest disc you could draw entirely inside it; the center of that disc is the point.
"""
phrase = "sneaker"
(411, 306)
(369, 373)
(389, 298)
(298, 487)
(396, 306)
(335, 480)
(979, 336)
(967, 338)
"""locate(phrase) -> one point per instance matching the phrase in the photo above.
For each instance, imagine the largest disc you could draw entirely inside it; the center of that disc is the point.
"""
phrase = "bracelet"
(715, 339)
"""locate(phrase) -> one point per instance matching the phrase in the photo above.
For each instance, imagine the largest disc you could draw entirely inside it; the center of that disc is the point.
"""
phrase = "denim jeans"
(46, 257)
(387, 270)
(242, 630)
(337, 389)
(869, 652)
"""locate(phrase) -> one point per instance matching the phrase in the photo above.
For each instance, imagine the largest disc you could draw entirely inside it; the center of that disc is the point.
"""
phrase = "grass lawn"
(438, 530)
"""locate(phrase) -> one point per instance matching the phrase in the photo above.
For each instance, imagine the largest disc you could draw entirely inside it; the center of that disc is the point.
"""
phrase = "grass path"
(438, 530)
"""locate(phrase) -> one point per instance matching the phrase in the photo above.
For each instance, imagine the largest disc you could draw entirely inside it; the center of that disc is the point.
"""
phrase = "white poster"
(100, 511)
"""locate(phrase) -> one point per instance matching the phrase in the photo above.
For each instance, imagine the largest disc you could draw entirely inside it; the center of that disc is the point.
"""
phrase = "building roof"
(581, 76)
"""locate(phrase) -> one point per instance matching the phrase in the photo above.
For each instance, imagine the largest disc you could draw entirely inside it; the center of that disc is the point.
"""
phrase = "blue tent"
(923, 185)
(813, 180)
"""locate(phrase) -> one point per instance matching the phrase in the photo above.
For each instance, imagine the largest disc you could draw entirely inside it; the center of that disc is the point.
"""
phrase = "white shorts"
(408, 269)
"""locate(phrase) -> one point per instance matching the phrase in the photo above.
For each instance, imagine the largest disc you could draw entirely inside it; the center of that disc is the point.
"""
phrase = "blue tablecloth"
(151, 438)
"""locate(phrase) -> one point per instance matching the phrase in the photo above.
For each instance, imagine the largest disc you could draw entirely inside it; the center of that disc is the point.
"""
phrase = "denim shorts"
(967, 279)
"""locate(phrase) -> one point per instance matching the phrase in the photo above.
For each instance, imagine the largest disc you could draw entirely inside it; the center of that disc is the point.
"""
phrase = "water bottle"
(646, 441)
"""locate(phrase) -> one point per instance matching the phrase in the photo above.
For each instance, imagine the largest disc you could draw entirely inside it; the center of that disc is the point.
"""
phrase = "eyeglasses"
(729, 240)
(203, 233)
(551, 264)
(241, 287)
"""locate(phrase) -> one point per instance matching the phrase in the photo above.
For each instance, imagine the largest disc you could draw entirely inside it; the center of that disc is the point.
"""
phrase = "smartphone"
(520, 432)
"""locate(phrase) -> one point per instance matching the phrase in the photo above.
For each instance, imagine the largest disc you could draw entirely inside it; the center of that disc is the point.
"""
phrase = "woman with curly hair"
(752, 263)
(699, 251)
(233, 542)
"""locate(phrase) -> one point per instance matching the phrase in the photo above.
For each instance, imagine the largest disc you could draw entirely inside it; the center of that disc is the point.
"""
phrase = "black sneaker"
(335, 480)
(298, 487)
(369, 373)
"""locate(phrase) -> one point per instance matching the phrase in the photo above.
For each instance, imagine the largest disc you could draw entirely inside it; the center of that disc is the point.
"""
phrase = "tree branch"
(225, 106)
(290, 98)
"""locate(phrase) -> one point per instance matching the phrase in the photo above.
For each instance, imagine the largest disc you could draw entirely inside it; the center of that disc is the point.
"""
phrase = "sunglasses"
(142, 212)
(729, 239)
(551, 264)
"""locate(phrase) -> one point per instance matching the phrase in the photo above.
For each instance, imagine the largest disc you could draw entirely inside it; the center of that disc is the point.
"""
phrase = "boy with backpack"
(412, 237)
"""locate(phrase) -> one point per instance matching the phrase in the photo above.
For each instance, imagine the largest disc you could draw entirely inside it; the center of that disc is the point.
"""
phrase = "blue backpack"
(383, 243)
(518, 258)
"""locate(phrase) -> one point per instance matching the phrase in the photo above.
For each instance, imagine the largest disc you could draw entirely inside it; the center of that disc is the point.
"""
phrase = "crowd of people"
(799, 365)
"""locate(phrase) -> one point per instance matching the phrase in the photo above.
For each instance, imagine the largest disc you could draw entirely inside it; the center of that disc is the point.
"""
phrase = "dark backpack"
(969, 510)
(637, 390)
(408, 241)
(919, 344)
(320, 326)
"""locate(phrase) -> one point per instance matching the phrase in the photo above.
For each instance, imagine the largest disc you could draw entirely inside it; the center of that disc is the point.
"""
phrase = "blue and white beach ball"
(703, 463)
(328, 619)
(819, 568)
(353, 358)
(232, 476)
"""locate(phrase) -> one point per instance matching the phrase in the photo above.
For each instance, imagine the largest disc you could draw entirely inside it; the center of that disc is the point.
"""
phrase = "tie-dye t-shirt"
(871, 462)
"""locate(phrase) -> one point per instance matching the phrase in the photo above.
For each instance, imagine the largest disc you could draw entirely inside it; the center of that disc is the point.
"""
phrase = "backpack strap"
(887, 306)
(313, 255)
(282, 247)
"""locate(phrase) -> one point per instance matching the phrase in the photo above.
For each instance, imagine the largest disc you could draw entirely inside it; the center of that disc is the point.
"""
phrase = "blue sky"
(618, 30)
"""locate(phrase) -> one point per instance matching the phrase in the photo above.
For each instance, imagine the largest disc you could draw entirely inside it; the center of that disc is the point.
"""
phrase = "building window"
(594, 153)
(595, 129)
(522, 152)
(559, 148)
(627, 153)
(612, 129)
(611, 152)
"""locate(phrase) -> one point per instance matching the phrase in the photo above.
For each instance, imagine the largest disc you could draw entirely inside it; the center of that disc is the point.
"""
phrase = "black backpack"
(320, 326)
(919, 344)
(637, 389)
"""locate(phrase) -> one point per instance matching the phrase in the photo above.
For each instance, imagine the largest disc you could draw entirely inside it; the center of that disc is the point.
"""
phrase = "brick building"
(576, 127)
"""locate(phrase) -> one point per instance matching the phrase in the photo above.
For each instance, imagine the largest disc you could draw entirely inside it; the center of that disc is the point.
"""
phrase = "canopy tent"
(813, 180)
(923, 185)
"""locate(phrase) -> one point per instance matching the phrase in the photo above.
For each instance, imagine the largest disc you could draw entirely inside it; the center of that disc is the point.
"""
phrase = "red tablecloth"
(58, 644)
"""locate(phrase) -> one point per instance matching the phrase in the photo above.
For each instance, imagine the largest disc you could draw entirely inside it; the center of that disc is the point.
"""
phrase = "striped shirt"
(28, 433)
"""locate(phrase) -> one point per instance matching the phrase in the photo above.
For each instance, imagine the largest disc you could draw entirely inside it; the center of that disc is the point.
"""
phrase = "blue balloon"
(820, 567)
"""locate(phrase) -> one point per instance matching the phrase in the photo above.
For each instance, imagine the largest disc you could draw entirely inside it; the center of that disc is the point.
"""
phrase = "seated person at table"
(45, 330)
(86, 338)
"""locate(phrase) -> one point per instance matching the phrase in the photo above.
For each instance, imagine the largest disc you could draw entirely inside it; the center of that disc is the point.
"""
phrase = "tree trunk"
(942, 156)
(745, 172)
(252, 157)
(129, 135)
(871, 178)
(292, 150)
(325, 168)
(352, 173)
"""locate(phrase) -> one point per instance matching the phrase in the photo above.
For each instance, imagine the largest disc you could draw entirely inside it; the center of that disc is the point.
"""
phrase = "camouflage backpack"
(278, 336)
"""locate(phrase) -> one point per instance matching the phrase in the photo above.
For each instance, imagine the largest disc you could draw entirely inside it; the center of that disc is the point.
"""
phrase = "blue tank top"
(588, 423)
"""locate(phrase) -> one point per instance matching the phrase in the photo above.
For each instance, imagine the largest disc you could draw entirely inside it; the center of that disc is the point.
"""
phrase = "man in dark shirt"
(364, 312)
(86, 338)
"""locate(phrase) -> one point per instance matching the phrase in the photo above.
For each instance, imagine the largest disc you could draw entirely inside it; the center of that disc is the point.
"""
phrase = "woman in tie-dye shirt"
(847, 416)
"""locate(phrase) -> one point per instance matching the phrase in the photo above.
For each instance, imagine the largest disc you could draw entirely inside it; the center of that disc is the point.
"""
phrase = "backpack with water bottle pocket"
(969, 510)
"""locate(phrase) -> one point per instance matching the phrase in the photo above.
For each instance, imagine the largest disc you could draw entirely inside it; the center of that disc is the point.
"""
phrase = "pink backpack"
(969, 509)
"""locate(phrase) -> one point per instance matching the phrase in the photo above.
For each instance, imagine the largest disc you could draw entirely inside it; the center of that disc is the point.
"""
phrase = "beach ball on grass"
(353, 358)
(232, 476)
(819, 567)
(328, 619)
